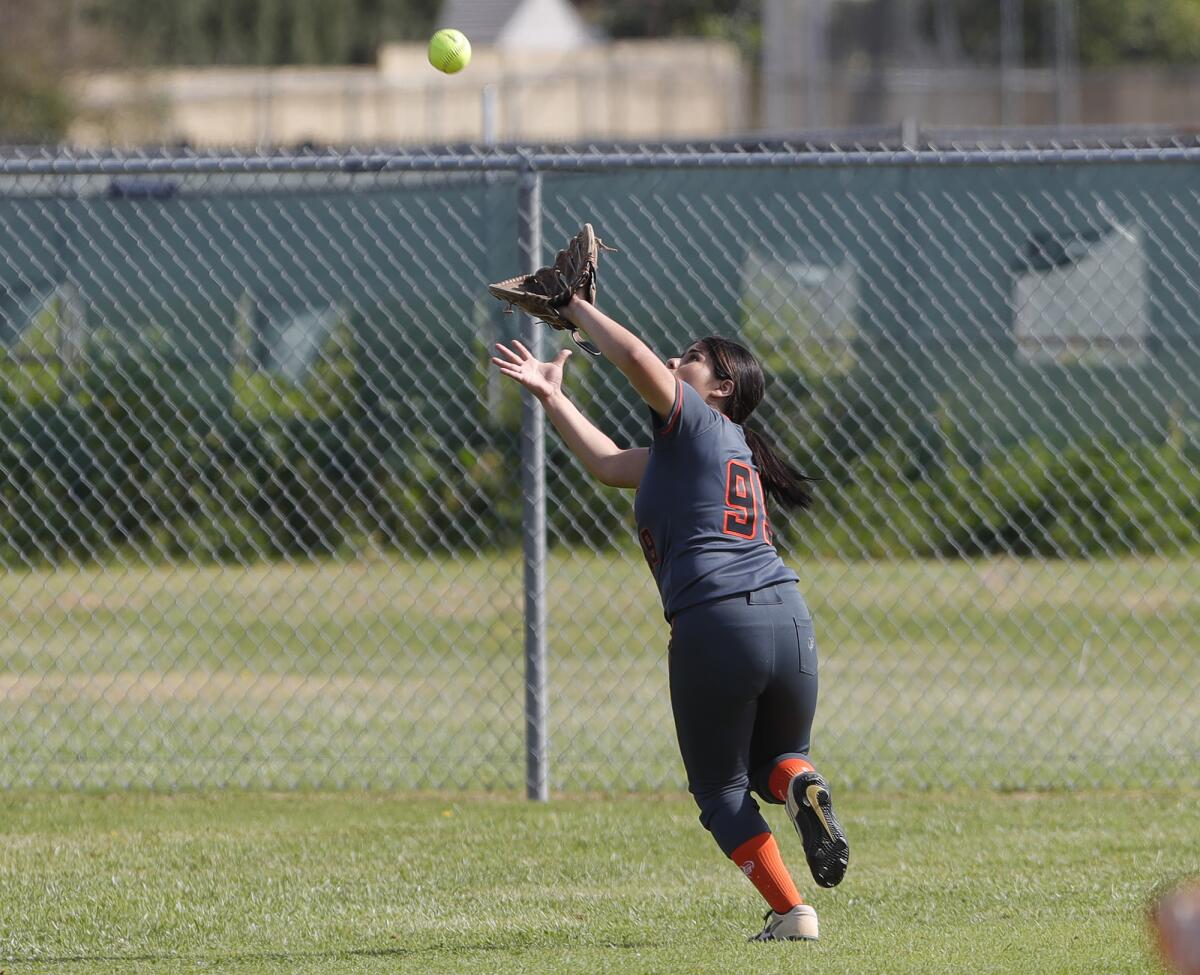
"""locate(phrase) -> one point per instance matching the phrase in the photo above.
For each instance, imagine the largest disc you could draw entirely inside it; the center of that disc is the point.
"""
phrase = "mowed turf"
(398, 673)
(350, 882)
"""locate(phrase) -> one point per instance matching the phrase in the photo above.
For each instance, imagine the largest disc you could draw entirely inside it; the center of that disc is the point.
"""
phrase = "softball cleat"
(798, 924)
(811, 809)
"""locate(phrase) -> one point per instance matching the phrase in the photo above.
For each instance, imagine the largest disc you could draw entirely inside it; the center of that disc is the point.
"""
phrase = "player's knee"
(730, 814)
(766, 780)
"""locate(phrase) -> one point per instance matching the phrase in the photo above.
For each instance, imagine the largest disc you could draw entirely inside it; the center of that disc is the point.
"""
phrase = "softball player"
(742, 655)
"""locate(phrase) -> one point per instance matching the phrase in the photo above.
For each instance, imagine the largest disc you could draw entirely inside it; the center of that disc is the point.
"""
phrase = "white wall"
(542, 23)
(636, 89)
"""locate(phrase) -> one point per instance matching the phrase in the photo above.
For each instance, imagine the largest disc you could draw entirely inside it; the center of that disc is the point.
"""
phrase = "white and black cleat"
(798, 924)
(811, 809)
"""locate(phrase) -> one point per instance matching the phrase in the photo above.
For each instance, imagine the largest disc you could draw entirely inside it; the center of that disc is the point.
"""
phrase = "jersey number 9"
(743, 502)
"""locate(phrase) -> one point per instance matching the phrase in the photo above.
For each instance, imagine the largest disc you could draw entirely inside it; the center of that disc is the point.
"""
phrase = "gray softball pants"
(743, 673)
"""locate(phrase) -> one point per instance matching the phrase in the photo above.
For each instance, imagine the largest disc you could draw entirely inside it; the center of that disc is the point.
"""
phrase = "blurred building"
(582, 90)
(830, 63)
(847, 63)
(540, 73)
(519, 24)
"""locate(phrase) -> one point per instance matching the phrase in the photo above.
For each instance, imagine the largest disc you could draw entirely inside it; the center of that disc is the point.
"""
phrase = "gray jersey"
(700, 510)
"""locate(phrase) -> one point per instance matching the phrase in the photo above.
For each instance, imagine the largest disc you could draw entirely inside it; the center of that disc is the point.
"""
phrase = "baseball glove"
(545, 291)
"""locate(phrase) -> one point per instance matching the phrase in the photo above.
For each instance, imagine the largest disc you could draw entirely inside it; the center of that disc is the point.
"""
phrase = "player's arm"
(603, 459)
(646, 372)
(608, 463)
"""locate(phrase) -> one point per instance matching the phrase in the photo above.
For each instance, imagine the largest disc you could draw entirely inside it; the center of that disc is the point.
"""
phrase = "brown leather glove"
(548, 289)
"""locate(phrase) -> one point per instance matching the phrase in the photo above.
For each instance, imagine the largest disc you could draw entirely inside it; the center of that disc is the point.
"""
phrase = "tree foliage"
(1116, 31)
(34, 105)
(263, 32)
(1109, 31)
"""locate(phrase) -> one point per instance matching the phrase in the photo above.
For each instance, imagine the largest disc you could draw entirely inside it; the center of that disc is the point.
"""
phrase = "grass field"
(396, 674)
(938, 883)
(386, 674)
(389, 674)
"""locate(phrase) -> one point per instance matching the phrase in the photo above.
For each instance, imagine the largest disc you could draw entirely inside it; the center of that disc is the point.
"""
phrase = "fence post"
(533, 484)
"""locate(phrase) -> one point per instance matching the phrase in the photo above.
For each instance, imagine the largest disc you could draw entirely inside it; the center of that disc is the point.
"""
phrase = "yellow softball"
(449, 50)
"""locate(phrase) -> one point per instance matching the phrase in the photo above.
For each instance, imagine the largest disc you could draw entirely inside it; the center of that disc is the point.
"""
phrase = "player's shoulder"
(696, 415)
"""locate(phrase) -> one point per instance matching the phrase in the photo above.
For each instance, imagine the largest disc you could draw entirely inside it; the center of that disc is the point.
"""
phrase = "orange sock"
(759, 860)
(783, 773)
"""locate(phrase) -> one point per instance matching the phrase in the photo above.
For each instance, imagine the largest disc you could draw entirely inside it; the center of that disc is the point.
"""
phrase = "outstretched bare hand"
(543, 379)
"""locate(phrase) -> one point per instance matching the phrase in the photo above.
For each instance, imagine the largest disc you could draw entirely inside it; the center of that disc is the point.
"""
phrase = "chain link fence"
(263, 516)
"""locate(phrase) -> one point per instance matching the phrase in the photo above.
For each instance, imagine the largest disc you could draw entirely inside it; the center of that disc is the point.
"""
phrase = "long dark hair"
(780, 479)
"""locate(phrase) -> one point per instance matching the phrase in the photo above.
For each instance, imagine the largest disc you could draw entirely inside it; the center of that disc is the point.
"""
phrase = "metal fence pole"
(1012, 63)
(533, 483)
(1066, 63)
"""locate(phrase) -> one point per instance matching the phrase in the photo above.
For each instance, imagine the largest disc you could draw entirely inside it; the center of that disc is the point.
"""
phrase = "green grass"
(939, 882)
(397, 674)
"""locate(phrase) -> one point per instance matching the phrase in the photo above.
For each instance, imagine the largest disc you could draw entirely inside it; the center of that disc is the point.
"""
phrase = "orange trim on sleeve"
(676, 410)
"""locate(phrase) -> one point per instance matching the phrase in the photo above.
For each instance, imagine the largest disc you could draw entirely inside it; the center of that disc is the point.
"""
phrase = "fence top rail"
(520, 160)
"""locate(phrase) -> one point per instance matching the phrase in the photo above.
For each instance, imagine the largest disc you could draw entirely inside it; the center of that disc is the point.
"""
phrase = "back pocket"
(806, 644)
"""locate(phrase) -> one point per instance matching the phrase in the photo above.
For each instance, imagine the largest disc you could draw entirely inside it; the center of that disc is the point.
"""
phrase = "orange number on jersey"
(741, 500)
(745, 505)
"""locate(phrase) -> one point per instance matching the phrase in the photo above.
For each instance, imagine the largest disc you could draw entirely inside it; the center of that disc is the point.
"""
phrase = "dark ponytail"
(781, 480)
